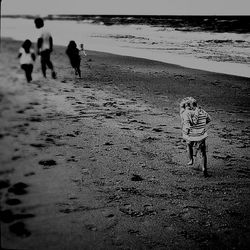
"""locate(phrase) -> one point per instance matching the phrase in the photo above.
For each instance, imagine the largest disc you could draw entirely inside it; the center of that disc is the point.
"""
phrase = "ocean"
(213, 43)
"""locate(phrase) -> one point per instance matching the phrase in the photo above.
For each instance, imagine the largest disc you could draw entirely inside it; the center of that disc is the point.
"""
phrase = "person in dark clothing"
(74, 56)
(44, 48)
(27, 58)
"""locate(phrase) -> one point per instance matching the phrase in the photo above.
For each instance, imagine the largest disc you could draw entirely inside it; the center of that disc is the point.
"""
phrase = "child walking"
(74, 57)
(83, 55)
(27, 58)
(194, 131)
(82, 50)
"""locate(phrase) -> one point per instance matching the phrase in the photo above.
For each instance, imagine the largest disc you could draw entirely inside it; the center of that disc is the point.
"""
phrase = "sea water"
(222, 52)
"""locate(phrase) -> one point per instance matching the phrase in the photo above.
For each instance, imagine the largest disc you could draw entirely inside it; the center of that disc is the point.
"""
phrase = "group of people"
(27, 54)
(194, 119)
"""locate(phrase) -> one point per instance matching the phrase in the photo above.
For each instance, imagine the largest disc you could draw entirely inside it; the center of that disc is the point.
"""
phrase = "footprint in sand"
(20, 111)
(136, 177)
(13, 202)
(157, 129)
(18, 188)
(29, 174)
(37, 145)
(50, 140)
(3, 135)
(91, 227)
(20, 229)
(7, 216)
(72, 159)
(149, 139)
(34, 119)
(4, 184)
(70, 98)
(70, 135)
(16, 157)
(34, 103)
(47, 163)
(7, 171)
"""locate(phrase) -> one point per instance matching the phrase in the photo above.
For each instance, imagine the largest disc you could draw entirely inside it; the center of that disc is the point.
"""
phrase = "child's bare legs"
(204, 160)
(78, 72)
(190, 153)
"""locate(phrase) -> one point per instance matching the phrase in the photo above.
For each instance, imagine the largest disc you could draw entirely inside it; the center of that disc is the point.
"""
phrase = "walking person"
(74, 57)
(83, 55)
(82, 50)
(194, 130)
(45, 48)
(27, 58)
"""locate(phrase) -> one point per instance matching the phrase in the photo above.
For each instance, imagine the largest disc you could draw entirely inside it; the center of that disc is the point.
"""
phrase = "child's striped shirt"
(197, 130)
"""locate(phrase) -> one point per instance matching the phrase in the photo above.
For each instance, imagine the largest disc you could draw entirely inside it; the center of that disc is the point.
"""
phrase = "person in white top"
(44, 47)
(27, 57)
(82, 50)
(83, 54)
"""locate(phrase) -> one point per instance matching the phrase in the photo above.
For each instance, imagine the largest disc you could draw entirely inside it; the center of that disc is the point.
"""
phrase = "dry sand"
(98, 162)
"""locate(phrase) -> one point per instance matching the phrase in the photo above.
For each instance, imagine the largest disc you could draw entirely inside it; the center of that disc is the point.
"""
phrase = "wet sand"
(99, 163)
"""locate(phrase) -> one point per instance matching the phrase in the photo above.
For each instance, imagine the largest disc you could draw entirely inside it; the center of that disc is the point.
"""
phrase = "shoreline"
(227, 68)
(218, 65)
(98, 162)
(239, 70)
(198, 62)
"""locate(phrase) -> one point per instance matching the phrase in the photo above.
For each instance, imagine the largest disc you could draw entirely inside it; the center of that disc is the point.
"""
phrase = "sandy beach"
(99, 162)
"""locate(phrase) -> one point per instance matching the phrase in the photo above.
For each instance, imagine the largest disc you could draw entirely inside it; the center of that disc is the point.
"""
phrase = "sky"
(129, 7)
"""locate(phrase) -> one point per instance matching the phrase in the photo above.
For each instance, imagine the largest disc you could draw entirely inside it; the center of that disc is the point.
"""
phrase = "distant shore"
(216, 23)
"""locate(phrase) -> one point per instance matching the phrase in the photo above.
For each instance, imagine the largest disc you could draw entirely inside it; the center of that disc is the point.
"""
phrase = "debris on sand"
(47, 163)
(136, 177)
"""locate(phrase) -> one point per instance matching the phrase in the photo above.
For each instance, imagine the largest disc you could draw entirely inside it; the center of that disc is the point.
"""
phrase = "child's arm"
(51, 44)
(195, 116)
(20, 52)
(33, 56)
(208, 118)
(39, 45)
(186, 123)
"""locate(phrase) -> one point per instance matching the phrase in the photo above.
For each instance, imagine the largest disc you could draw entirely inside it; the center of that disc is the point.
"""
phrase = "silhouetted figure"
(45, 47)
(27, 58)
(74, 56)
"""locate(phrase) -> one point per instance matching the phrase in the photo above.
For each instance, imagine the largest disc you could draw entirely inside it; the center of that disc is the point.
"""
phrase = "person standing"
(27, 58)
(45, 48)
(194, 131)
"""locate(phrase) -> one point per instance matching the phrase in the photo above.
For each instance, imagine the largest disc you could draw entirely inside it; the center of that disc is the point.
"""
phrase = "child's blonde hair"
(187, 102)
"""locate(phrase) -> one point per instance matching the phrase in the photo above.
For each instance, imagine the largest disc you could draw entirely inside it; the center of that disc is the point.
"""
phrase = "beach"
(199, 45)
(99, 162)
